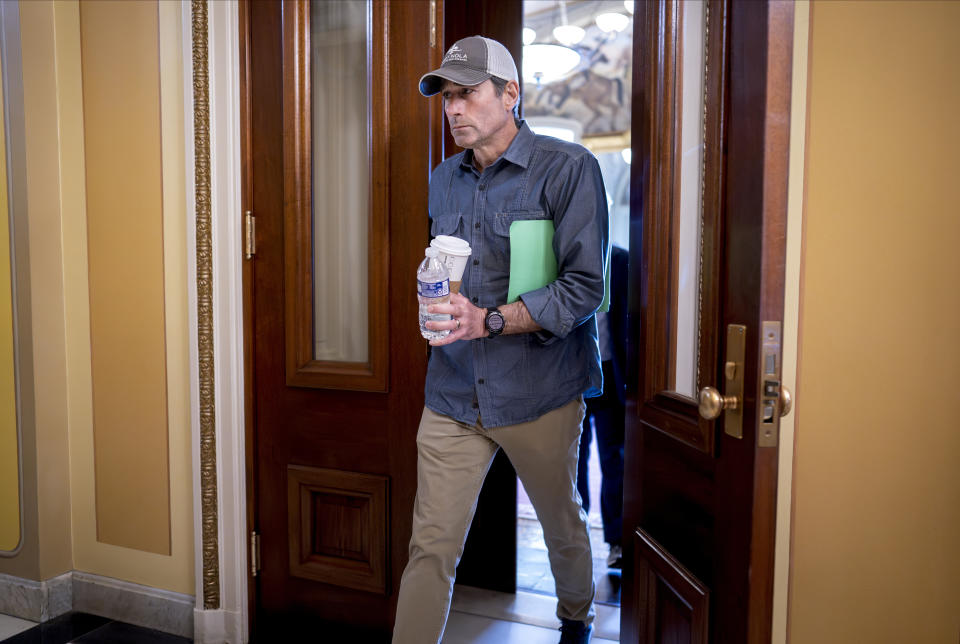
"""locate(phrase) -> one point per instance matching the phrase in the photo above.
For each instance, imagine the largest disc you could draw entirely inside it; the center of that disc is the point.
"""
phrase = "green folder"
(605, 304)
(533, 263)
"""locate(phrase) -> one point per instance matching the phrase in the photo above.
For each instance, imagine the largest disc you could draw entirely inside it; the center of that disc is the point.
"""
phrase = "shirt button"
(480, 381)
(476, 261)
(477, 225)
(476, 405)
(482, 187)
(474, 300)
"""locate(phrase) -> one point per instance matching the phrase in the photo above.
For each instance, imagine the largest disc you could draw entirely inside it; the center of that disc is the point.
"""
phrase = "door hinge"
(250, 235)
(254, 553)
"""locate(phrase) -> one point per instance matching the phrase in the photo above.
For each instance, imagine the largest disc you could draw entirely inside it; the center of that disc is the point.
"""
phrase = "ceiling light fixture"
(568, 35)
(547, 63)
(628, 5)
(610, 22)
(565, 33)
(529, 35)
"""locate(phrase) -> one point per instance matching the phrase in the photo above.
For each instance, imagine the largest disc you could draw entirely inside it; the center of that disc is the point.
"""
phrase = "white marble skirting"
(123, 601)
(36, 601)
(162, 610)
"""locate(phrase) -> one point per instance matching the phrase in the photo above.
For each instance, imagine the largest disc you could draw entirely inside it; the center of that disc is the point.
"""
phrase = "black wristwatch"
(494, 322)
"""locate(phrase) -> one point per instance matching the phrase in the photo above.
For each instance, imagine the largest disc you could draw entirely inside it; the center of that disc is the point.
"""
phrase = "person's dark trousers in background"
(607, 413)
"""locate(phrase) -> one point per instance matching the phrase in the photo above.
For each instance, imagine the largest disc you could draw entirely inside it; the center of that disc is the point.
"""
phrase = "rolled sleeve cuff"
(555, 320)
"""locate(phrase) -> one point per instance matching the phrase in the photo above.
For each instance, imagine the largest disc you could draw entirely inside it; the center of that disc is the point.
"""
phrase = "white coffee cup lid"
(451, 245)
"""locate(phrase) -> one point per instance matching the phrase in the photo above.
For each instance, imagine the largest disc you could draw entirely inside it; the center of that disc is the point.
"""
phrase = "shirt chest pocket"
(447, 224)
(503, 220)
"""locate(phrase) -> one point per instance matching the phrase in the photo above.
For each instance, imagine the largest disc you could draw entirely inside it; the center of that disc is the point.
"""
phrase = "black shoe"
(615, 558)
(573, 632)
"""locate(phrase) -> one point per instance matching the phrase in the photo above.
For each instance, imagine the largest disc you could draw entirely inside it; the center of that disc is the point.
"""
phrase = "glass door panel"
(681, 129)
(341, 178)
(335, 202)
(688, 214)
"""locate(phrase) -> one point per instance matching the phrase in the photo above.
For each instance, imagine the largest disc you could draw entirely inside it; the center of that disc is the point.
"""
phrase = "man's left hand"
(467, 322)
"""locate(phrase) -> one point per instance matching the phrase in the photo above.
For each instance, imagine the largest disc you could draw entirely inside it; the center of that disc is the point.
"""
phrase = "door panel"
(699, 497)
(337, 527)
(332, 445)
(672, 604)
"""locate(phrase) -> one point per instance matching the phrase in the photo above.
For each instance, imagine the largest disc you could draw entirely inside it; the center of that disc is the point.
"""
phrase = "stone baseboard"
(162, 610)
(39, 601)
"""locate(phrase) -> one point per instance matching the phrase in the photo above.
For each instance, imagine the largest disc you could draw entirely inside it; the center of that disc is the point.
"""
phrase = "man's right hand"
(467, 322)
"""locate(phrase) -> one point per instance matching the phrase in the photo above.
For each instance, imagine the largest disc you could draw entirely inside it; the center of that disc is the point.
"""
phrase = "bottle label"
(433, 289)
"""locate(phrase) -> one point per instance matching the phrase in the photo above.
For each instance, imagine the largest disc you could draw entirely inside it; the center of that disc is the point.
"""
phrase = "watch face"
(495, 322)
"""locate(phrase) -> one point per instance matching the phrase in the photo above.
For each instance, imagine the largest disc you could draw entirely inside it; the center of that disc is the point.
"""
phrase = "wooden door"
(707, 264)
(335, 364)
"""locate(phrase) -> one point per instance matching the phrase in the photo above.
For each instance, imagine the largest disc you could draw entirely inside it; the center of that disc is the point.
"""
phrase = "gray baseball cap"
(470, 62)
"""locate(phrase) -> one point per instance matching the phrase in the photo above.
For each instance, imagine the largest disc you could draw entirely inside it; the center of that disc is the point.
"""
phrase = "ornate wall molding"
(205, 339)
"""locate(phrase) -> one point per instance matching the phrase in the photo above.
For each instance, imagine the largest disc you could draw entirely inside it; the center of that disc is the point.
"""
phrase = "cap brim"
(431, 83)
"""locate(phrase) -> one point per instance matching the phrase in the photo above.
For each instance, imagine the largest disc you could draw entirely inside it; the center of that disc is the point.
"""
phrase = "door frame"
(231, 620)
(223, 576)
(796, 194)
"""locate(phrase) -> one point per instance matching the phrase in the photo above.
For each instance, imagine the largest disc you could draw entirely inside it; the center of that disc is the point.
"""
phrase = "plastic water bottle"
(433, 287)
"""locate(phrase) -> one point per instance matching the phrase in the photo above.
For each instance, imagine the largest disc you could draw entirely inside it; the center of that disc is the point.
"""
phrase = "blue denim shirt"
(511, 379)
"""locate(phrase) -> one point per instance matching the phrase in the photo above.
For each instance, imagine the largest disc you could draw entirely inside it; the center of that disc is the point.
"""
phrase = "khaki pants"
(453, 459)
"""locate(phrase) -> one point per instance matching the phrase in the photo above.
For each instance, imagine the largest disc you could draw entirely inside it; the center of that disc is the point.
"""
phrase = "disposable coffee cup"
(453, 254)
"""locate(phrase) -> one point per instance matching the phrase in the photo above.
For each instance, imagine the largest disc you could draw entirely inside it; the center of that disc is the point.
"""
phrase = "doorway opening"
(577, 70)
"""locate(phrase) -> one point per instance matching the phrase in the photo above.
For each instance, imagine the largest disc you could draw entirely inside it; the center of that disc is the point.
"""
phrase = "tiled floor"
(10, 626)
(463, 628)
(86, 629)
(488, 617)
(477, 617)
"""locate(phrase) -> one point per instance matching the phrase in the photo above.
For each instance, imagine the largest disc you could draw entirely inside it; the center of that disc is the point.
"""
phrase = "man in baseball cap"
(513, 372)
(470, 62)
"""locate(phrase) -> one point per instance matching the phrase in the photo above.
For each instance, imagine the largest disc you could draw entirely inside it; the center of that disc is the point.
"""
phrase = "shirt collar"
(521, 148)
(518, 152)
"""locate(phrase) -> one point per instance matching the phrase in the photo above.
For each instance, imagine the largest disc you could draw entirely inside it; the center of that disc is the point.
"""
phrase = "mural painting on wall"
(596, 93)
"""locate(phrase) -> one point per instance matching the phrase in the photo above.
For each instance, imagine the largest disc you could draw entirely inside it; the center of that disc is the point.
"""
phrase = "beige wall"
(72, 494)
(100, 499)
(42, 173)
(9, 449)
(876, 525)
(119, 54)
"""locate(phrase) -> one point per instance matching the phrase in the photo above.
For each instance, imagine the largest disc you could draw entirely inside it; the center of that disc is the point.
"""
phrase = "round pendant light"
(548, 63)
(568, 35)
(610, 22)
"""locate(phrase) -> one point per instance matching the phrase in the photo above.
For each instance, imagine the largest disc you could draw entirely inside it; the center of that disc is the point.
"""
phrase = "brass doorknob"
(712, 402)
(786, 401)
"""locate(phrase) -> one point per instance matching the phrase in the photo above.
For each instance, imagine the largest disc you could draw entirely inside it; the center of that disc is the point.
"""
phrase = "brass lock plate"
(733, 376)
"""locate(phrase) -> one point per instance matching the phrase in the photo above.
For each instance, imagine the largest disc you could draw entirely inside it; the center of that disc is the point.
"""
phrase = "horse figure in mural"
(602, 96)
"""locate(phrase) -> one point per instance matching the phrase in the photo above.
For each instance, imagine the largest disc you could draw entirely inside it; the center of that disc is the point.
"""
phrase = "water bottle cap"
(432, 252)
